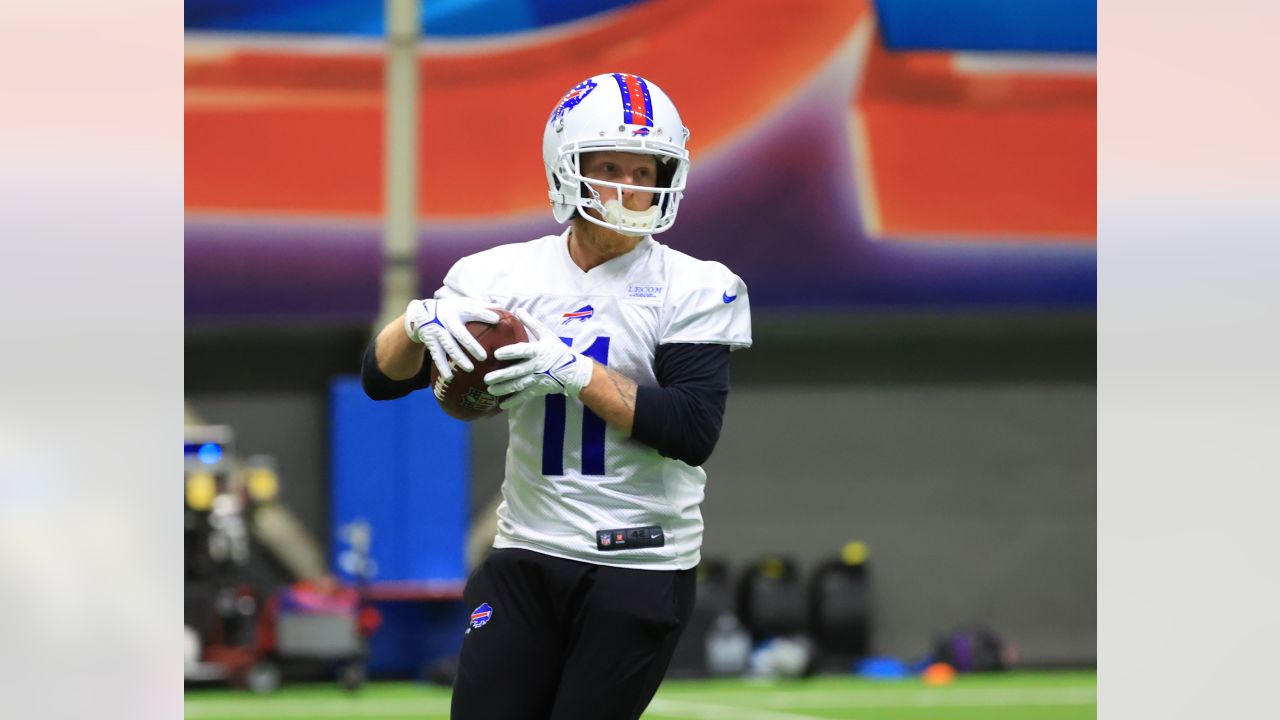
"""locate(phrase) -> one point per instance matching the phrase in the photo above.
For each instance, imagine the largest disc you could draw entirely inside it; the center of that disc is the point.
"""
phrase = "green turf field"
(1004, 696)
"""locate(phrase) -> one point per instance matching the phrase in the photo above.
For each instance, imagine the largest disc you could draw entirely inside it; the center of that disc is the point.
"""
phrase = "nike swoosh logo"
(551, 372)
(655, 537)
(729, 298)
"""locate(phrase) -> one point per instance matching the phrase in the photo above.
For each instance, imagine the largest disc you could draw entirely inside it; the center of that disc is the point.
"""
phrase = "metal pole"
(400, 159)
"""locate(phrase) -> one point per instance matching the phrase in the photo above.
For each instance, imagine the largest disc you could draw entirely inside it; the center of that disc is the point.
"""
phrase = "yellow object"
(772, 568)
(938, 674)
(201, 489)
(854, 553)
(263, 484)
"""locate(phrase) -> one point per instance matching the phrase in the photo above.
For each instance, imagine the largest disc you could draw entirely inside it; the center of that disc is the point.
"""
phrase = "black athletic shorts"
(555, 639)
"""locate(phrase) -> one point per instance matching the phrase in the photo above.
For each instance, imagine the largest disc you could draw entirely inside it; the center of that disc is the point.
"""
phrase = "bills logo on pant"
(481, 615)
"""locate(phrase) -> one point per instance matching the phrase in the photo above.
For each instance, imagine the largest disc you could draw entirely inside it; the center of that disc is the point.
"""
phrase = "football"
(465, 397)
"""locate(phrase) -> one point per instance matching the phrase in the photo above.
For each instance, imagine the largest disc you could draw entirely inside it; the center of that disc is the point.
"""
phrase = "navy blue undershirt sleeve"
(380, 387)
(681, 418)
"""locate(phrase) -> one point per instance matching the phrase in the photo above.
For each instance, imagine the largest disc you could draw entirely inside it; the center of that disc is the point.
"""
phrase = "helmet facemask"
(672, 169)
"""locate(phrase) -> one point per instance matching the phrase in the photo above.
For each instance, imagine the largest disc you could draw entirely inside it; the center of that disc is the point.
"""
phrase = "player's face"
(625, 168)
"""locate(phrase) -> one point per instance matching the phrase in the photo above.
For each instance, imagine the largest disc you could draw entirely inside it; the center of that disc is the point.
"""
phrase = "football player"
(613, 404)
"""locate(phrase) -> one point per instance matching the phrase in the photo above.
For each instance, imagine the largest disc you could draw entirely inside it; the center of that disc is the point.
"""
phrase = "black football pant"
(566, 640)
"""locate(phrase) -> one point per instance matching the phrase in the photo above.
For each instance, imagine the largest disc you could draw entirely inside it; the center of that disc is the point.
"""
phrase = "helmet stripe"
(648, 103)
(637, 107)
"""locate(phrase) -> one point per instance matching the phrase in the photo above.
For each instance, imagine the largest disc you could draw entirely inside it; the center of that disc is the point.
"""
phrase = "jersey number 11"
(592, 424)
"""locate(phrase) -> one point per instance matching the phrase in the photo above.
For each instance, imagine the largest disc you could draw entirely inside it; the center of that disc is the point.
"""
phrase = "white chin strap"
(626, 219)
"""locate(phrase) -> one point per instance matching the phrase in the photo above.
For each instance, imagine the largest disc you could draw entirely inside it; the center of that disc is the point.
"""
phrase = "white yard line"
(268, 707)
(786, 704)
(942, 697)
(715, 711)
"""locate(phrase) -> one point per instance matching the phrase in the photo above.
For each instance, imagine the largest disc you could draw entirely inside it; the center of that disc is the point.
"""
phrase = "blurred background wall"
(907, 187)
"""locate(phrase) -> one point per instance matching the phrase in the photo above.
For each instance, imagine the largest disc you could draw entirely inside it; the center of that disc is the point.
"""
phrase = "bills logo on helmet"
(572, 98)
(481, 615)
(583, 314)
(642, 131)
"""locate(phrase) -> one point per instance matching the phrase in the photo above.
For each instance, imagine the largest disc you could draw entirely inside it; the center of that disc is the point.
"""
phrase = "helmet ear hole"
(665, 176)
(666, 172)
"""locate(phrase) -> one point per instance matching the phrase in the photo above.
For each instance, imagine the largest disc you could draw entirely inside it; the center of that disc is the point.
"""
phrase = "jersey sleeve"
(464, 279)
(712, 308)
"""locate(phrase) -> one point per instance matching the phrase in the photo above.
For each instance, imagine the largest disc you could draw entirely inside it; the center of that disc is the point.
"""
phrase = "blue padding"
(1062, 26)
(401, 465)
(415, 634)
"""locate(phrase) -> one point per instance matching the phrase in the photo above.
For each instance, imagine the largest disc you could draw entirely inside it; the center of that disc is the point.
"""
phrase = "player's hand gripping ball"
(465, 395)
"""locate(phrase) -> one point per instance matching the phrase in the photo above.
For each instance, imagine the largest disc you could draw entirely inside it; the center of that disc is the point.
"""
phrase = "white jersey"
(569, 477)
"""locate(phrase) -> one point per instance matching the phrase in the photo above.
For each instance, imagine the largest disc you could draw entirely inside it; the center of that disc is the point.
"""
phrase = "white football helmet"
(623, 113)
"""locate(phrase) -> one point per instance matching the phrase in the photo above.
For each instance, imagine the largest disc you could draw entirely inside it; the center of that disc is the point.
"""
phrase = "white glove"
(442, 324)
(549, 367)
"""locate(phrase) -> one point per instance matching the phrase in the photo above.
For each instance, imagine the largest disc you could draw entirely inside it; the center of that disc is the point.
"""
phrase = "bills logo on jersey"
(583, 314)
(481, 615)
(572, 98)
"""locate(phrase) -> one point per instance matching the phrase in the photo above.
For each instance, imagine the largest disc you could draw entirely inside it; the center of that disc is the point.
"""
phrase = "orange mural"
(828, 171)
(975, 155)
(279, 131)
